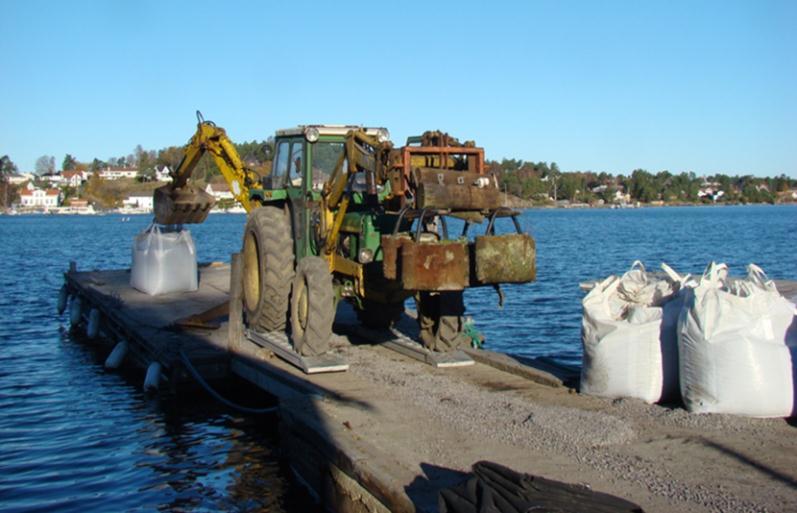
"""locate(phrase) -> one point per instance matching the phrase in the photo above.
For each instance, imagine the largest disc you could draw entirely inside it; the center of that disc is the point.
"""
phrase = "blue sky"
(605, 86)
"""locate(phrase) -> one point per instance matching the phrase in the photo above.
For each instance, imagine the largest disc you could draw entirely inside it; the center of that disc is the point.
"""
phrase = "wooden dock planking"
(355, 445)
(354, 470)
(148, 321)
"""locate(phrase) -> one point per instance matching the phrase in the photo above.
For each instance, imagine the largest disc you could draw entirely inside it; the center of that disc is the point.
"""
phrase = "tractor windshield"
(325, 157)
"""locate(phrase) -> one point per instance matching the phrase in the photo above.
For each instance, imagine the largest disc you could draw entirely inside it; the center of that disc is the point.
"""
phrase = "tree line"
(255, 154)
(535, 182)
(540, 182)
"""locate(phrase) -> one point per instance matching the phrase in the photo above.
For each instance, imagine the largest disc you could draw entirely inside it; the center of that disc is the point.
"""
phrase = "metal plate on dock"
(279, 345)
(403, 344)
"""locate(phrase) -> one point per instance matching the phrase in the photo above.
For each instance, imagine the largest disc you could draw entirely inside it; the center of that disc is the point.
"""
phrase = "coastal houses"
(77, 206)
(20, 179)
(219, 191)
(35, 198)
(614, 193)
(139, 202)
(52, 179)
(163, 174)
(225, 201)
(116, 173)
(74, 178)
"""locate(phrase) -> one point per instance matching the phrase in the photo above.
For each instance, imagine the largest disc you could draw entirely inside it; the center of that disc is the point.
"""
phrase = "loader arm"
(181, 203)
(362, 153)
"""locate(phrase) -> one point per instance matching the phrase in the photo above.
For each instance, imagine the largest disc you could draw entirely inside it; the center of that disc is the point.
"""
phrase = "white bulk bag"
(737, 344)
(163, 261)
(629, 335)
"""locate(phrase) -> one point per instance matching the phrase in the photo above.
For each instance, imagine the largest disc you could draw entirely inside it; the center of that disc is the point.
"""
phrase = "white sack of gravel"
(737, 343)
(629, 335)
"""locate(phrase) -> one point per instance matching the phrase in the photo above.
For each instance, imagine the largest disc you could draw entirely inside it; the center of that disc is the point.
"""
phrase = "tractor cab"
(306, 156)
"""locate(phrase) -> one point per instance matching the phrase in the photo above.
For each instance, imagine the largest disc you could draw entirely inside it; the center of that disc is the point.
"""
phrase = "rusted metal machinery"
(345, 215)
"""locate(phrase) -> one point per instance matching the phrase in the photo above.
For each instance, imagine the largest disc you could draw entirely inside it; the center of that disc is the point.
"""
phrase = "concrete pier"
(390, 432)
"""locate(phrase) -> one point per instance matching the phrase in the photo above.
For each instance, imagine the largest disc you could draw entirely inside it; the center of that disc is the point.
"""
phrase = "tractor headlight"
(311, 133)
(365, 256)
(382, 135)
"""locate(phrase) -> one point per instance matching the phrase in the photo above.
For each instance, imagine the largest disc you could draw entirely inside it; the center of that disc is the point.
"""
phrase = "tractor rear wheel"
(379, 316)
(268, 268)
(312, 307)
(441, 321)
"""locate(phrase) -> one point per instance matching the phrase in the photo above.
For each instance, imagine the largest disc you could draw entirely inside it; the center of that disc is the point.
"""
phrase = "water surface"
(74, 437)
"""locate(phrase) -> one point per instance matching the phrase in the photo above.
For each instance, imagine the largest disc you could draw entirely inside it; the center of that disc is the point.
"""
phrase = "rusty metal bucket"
(185, 205)
(509, 258)
(426, 265)
(440, 265)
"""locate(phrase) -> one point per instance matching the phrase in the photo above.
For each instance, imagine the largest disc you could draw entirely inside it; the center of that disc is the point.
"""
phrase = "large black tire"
(267, 268)
(312, 307)
(441, 321)
(379, 316)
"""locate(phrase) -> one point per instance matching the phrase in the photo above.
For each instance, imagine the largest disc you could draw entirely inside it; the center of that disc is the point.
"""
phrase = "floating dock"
(391, 431)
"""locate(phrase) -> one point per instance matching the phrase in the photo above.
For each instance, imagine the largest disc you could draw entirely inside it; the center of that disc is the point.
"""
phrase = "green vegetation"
(110, 193)
(255, 154)
(532, 183)
(8, 192)
(69, 163)
(7, 167)
(541, 183)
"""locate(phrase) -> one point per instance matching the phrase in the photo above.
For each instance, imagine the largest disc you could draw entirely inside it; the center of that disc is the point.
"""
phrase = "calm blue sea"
(74, 437)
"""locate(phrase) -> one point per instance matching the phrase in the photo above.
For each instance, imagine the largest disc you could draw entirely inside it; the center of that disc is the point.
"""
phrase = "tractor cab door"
(297, 190)
(279, 168)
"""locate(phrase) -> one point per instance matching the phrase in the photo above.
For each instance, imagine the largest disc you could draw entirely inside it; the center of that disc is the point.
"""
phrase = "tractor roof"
(328, 130)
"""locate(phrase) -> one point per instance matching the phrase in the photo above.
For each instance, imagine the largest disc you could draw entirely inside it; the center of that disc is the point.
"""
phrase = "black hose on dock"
(195, 373)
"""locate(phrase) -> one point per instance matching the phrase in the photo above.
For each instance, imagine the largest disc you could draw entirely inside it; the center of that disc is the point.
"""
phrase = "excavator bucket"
(184, 205)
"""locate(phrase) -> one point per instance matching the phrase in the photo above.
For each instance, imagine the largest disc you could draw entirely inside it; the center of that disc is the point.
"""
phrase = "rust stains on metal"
(507, 258)
(435, 266)
(446, 265)
(391, 251)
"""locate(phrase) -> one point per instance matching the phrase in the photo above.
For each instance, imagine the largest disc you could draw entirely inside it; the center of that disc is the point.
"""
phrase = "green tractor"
(345, 215)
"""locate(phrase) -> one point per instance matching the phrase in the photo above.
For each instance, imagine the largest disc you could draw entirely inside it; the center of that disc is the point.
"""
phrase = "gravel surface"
(626, 440)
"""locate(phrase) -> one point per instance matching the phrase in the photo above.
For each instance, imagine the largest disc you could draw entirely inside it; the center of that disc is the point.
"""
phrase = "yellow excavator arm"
(180, 202)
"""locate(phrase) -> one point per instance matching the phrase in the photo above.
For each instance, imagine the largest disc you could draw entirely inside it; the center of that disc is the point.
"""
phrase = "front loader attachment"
(183, 205)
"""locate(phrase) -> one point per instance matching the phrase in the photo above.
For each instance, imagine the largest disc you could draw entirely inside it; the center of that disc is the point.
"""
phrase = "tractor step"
(278, 343)
(403, 344)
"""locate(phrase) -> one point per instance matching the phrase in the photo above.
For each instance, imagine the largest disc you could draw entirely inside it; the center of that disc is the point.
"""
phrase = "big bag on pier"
(164, 261)
(629, 335)
(738, 344)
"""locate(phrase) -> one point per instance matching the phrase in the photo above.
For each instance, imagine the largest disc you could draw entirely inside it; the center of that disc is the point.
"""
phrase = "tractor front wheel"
(312, 307)
(268, 268)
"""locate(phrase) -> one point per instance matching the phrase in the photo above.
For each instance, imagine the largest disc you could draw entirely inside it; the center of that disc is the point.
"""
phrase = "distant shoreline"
(521, 204)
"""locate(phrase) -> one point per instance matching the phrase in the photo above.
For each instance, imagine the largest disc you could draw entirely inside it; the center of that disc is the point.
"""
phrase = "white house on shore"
(139, 202)
(711, 192)
(21, 178)
(163, 174)
(52, 178)
(74, 178)
(113, 173)
(33, 197)
(219, 191)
